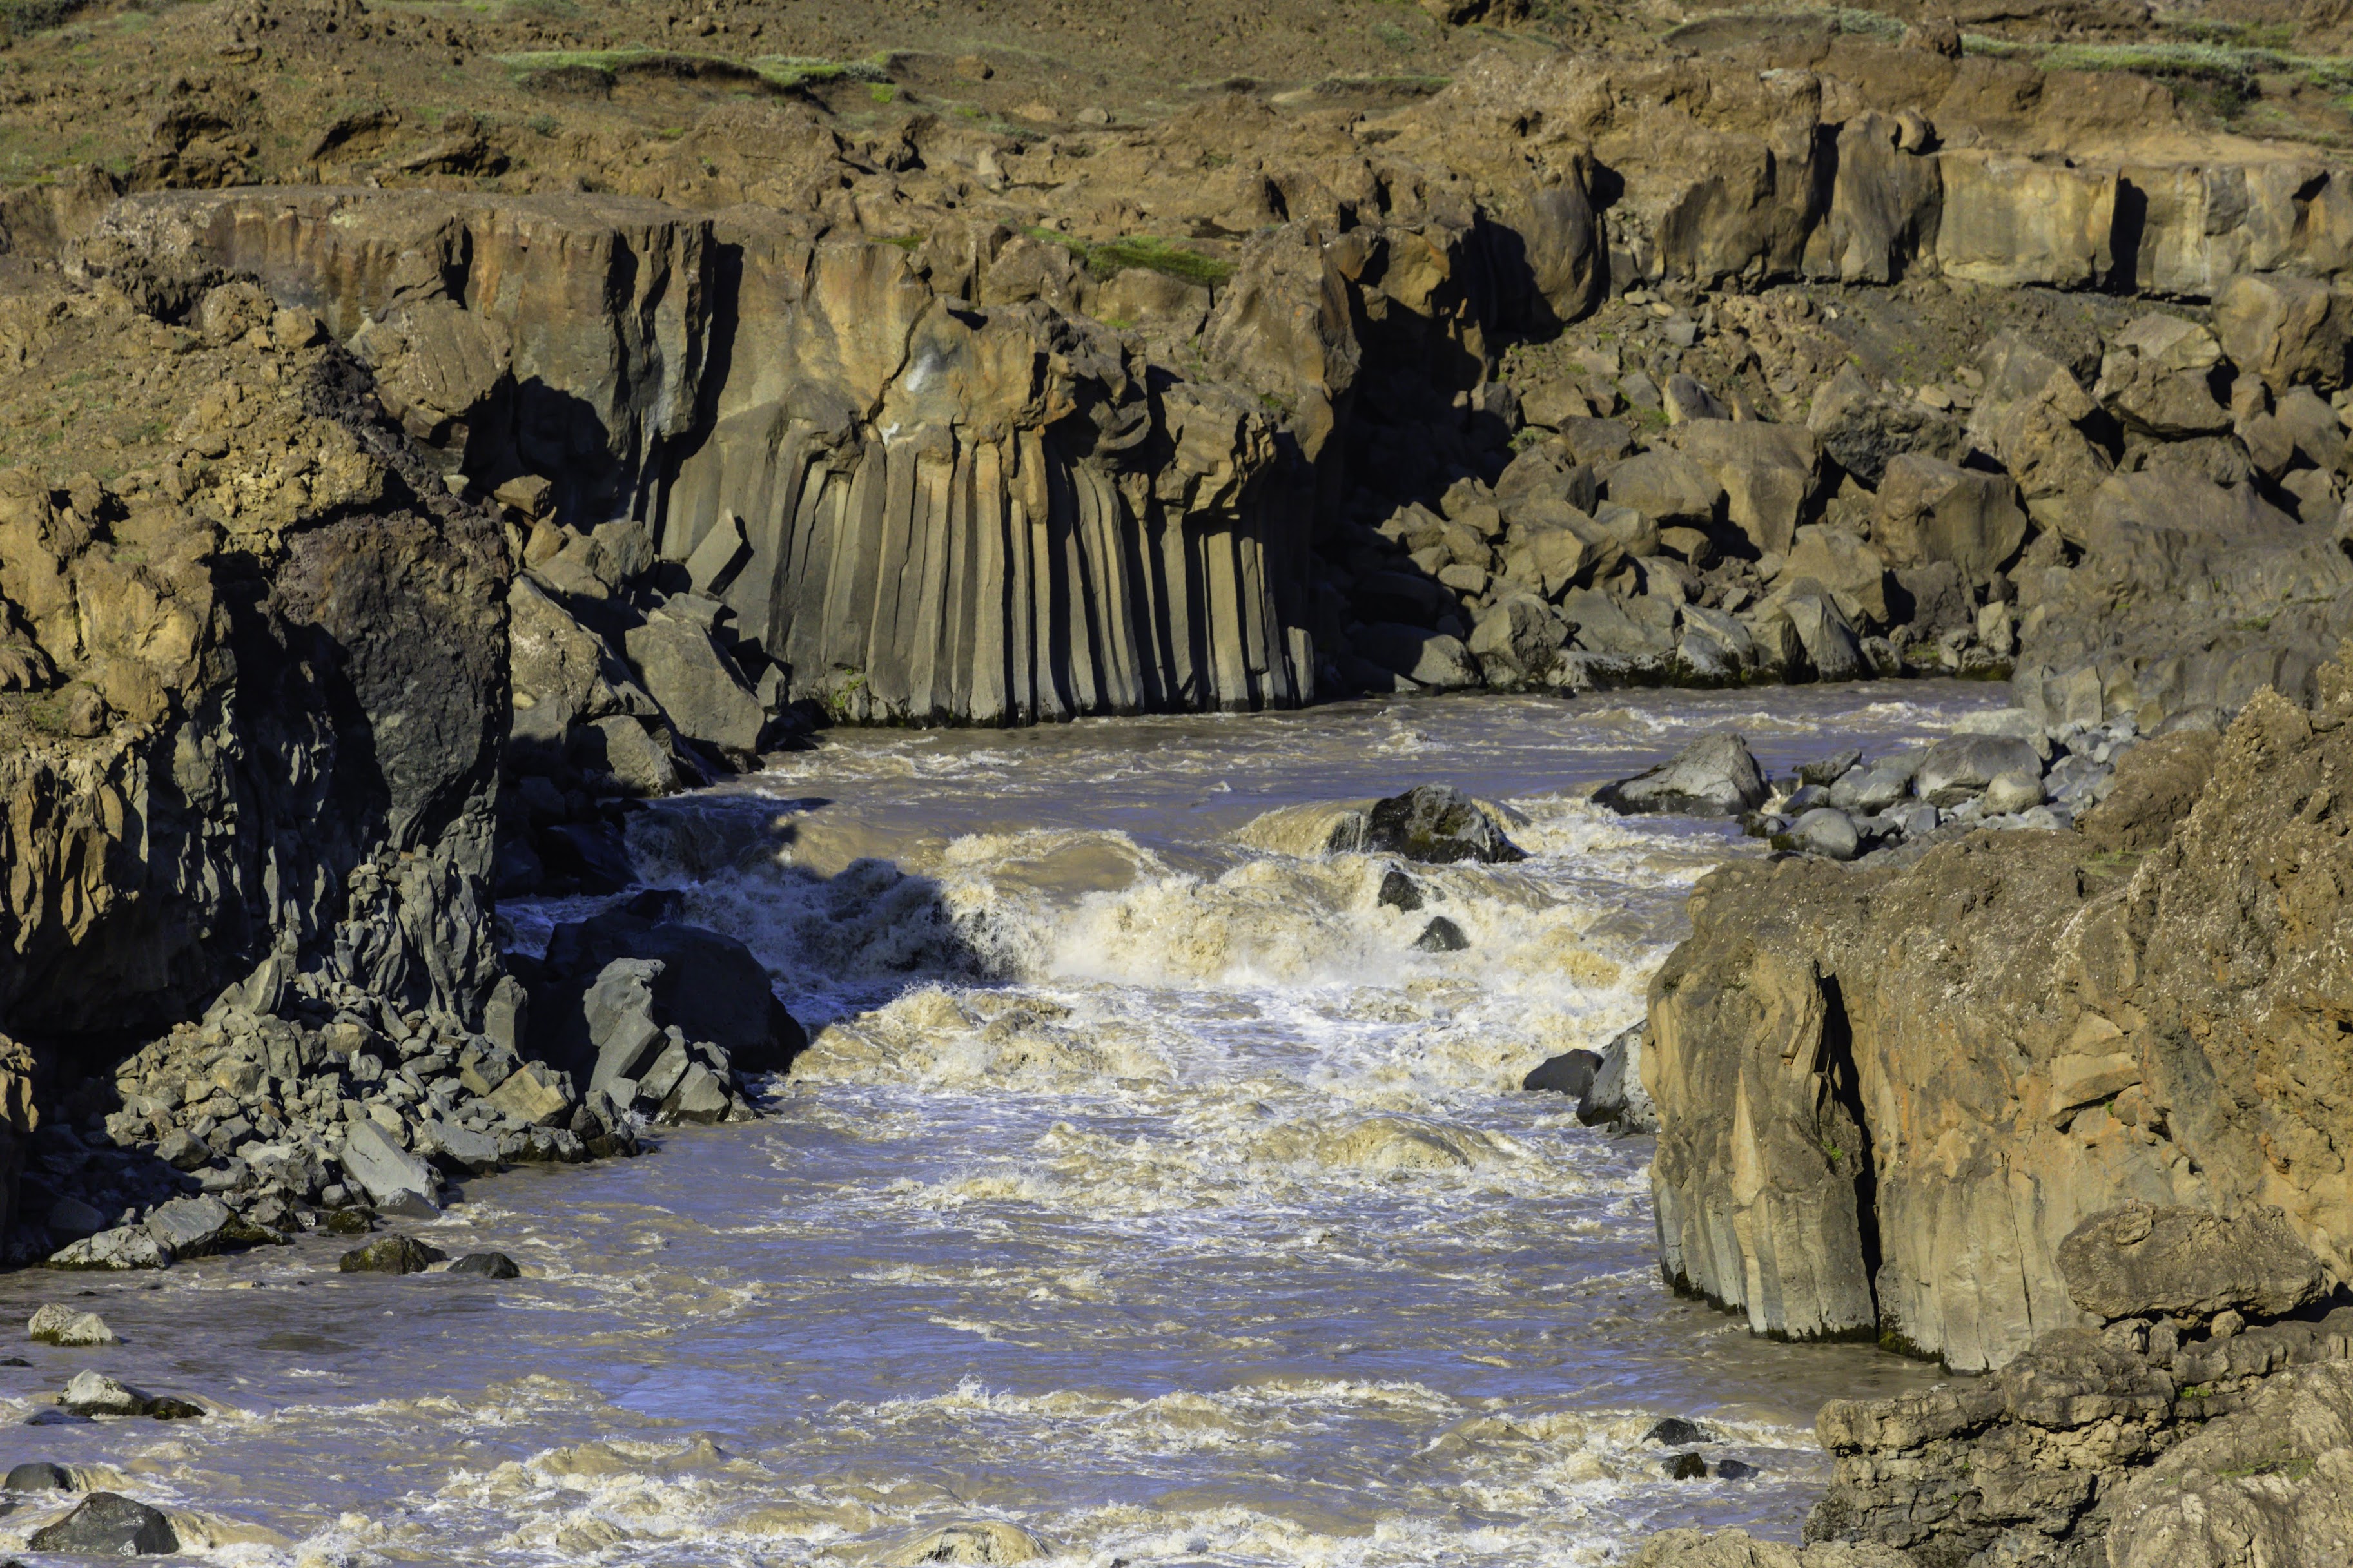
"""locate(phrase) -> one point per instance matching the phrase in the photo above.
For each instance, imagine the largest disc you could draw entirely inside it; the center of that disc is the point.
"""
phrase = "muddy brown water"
(1144, 1190)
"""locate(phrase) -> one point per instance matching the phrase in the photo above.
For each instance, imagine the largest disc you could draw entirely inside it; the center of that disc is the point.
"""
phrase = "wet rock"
(1441, 935)
(2138, 1259)
(94, 1394)
(701, 1097)
(1398, 892)
(487, 1266)
(698, 685)
(191, 1227)
(1685, 1468)
(980, 1541)
(167, 1408)
(609, 980)
(39, 1476)
(351, 1221)
(1714, 776)
(108, 1524)
(395, 1181)
(126, 1247)
(1675, 1433)
(1617, 1097)
(60, 1325)
(390, 1255)
(1571, 1072)
(1433, 823)
(1735, 1471)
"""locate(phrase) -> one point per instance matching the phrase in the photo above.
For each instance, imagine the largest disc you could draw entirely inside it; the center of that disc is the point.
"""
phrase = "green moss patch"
(1107, 258)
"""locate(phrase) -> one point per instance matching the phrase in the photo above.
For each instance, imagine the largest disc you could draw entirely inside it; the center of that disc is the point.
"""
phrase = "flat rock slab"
(110, 1525)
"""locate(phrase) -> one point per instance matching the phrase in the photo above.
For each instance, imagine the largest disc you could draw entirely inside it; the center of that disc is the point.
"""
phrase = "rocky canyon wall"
(1887, 1097)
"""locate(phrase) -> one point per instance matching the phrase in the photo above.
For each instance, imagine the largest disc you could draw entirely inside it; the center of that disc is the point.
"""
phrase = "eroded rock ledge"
(2066, 1108)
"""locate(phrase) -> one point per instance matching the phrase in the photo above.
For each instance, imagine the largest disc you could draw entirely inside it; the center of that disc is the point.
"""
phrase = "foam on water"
(1145, 1195)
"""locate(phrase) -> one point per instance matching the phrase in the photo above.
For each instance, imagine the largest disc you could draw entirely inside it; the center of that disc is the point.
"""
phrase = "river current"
(1146, 1195)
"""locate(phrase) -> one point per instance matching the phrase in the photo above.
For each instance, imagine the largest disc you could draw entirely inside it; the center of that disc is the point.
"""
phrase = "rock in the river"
(536, 1094)
(191, 1227)
(1569, 1073)
(390, 1255)
(487, 1266)
(1685, 1468)
(1716, 775)
(93, 1392)
(1441, 935)
(108, 1524)
(612, 982)
(1434, 824)
(975, 1540)
(1616, 1096)
(2137, 1259)
(1675, 1432)
(1398, 892)
(395, 1181)
(125, 1247)
(60, 1325)
(38, 1476)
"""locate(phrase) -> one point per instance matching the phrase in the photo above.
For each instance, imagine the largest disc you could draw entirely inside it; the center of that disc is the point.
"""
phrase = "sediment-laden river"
(1145, 1189)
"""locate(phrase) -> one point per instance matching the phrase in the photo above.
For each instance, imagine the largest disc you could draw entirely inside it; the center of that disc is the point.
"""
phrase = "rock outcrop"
(1888, 1097)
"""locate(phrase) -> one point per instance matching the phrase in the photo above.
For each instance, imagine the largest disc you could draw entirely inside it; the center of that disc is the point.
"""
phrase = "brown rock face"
(263, 731)
(1888, 1097)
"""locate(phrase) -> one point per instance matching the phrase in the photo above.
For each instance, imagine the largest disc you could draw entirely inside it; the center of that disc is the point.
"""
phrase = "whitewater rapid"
(1145, 1196)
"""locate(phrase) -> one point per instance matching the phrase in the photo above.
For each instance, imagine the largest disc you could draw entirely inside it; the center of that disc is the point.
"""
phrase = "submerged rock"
(487, 1266)
(1398, 892)
(1569, 1073)
(390, 1255)
(1441, 935)
(1714, 776)
(980, 1541)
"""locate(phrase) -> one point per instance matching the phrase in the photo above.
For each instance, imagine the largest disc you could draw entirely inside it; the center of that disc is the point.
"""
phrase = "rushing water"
(1144, 1188)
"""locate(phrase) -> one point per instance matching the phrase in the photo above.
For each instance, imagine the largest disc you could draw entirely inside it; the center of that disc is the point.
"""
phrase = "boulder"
(535, 1094)
(1863, 430)
(2140, 1260)
(390, 1255)
(191, 1227)
(1603, 622)
(614, 982)
(38, 1476)
(1441, 935)
(1716, 775)
(698, 686)
(2155, 785)
(456, 1148)
(487, 1266)
(2010, 792)
(1399, 892)
(2283, 329)
(1768, 474)
(1515, 640)
(978, 1541)
(1615, 1098)
(1714, 647)
(1425, 657)
(95, 1393)
(108, 1524)
(1825, 831)
(395, 1181)
(1962, 767)
(1666, 487)
(60, 1325)
(1932, 512)
(1436, 825)
(1823, 632)
(2157, 378)
(1838, 559)
(126, 1247)
(1569, 1073)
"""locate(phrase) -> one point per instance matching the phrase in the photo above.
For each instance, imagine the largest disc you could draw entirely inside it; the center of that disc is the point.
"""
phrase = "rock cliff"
(1887, 1096)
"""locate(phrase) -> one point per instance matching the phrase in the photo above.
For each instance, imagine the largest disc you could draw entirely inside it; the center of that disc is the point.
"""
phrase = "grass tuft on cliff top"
(2206, 60)
(1106, 259)
(786, 71)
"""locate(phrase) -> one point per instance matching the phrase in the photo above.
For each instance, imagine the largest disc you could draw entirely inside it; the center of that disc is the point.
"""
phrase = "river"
(1145, 1190)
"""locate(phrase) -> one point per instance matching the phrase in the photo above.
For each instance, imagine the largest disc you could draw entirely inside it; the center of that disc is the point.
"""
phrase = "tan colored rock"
(1930, 510)
(2010, 220)
(1769, 474)
(1838, 560)
(2283, 329)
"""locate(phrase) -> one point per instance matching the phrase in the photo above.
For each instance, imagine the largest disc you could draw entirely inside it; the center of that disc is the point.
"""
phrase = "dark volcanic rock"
(1569, 1073)
(487, 1266)
(390, 1255)
(1436, 824)
(109, 1524)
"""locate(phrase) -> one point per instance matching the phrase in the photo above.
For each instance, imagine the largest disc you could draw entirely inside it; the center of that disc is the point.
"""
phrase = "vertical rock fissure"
(1845, 1083)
